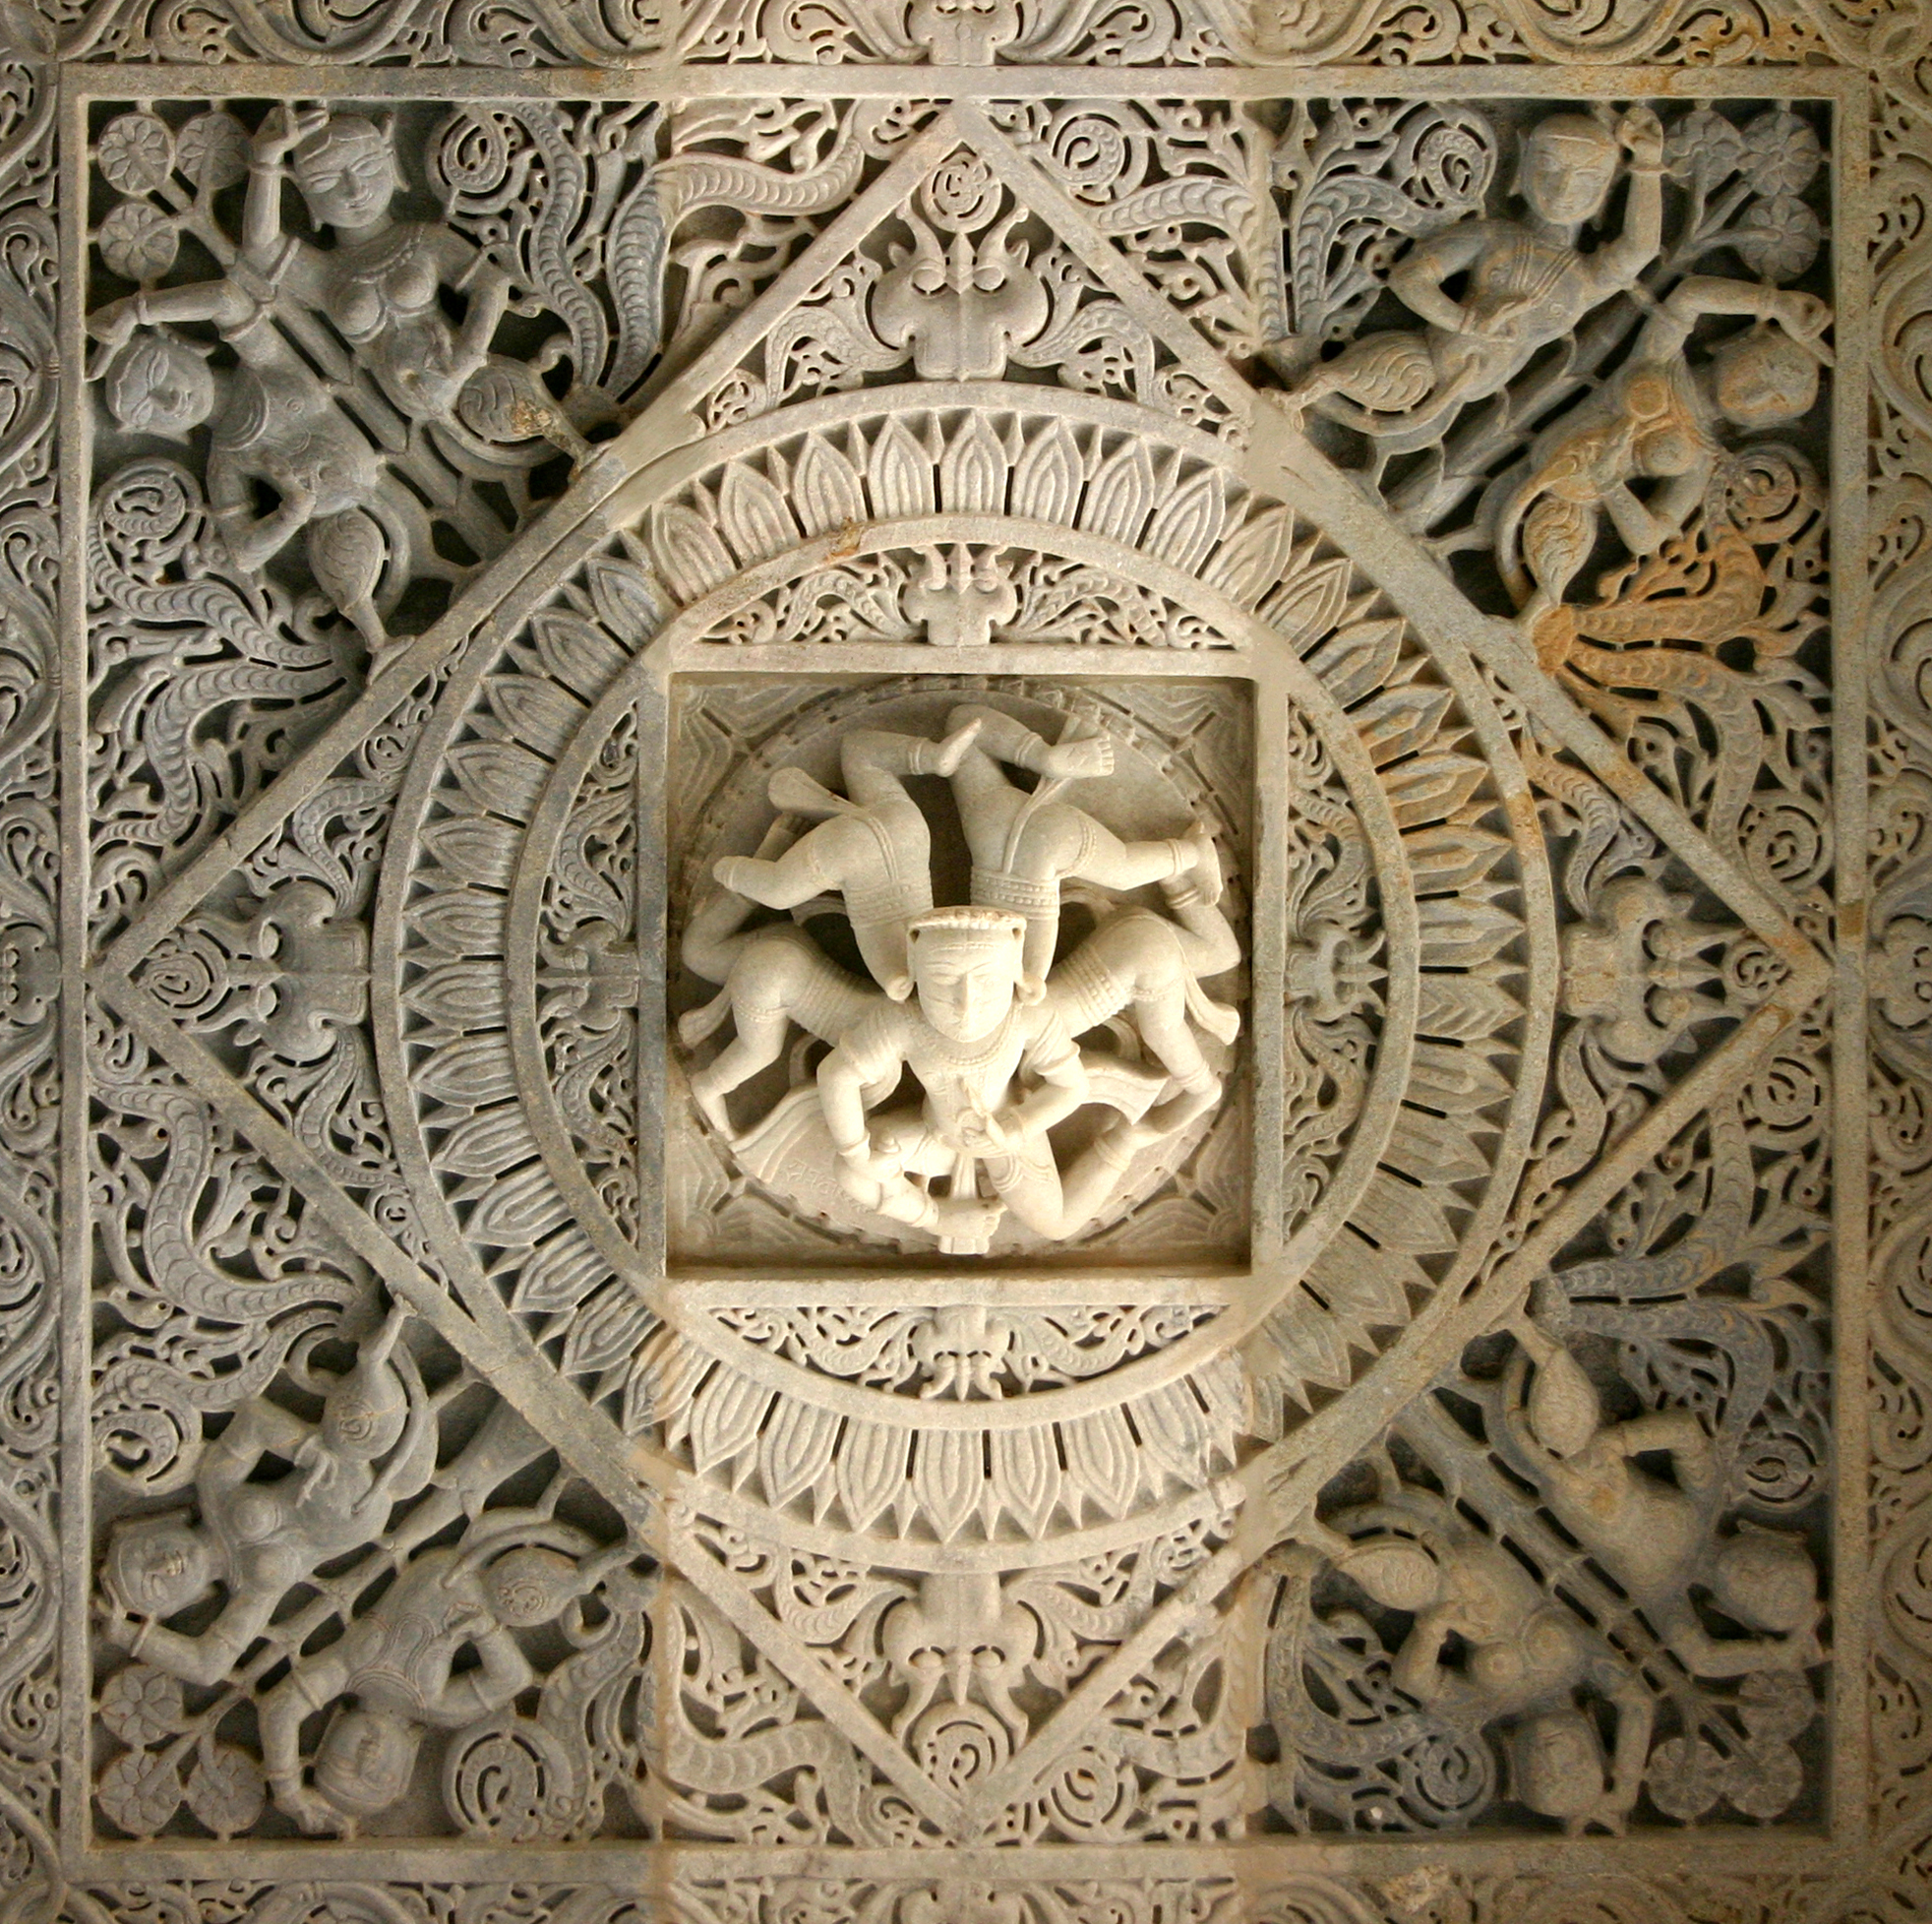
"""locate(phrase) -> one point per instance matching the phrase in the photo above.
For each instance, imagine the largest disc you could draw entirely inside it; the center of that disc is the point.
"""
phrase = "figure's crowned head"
(1766, 1579)
(159, 1565)
(1558, 1759)
(530, 1586)
(1569, 161)
(967, 969)
(346, 174)
(368, 1410)
(365, 1762)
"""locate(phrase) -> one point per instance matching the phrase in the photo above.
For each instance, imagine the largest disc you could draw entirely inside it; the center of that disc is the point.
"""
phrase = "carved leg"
(808, 868)
(760, 1041)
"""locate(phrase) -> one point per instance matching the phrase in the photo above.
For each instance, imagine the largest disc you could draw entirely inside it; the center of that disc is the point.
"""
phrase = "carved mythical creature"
(964, 1636)
(1660, 1540)
(1526, 284)
(1653, 420)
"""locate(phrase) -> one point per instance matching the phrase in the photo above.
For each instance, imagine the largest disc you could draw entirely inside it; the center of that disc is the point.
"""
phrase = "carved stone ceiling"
(965, 962)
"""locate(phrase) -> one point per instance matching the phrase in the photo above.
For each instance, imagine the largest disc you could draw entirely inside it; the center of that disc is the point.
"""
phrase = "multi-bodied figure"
(1025, 844)
(999, 1071)
(871, 845)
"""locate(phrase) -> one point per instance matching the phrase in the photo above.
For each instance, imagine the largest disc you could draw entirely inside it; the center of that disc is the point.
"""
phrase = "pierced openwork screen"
(965, 962)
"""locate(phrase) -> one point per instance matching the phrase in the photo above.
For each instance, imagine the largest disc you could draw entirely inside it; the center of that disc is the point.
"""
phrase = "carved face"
(963, 32)
(1761, 379)
(161, 386)
(1568, 164)
(160, 1567)
(966, 980)
(346, 174)
(365, 1761)
(1559, 1764)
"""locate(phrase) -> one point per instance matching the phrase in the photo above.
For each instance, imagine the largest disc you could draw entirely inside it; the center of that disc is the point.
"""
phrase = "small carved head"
(1762, 378)
(963, 32)
(966, 967)
(1564, 1411)
(365, 1761)
(1559, 1764)
(160, 384)
(159, 1565)
(1398, 1574)
(346, 174)
(1569, 161)
(530, 1586)
(364, 1418)
(1766, 1579)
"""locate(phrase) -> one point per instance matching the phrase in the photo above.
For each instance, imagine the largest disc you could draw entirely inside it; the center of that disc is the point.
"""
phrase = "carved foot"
(738, 872)
(1206, 870)
(711, 1106)
(942, 757)
(794, 792)
(965, 1226)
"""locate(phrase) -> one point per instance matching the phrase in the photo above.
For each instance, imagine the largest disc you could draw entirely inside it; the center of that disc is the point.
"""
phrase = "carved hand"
(113, 324)
(866, 1157)
(995, 1133)
(287, 127)
(1641, 134)
(1805, 316)
(316, 1815)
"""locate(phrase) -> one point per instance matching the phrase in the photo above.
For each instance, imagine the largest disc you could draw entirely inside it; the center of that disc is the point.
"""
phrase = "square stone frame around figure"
(1858, 1601)
(711, 810)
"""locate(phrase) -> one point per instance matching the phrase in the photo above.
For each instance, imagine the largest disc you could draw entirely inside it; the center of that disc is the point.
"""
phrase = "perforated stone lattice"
(934, 936)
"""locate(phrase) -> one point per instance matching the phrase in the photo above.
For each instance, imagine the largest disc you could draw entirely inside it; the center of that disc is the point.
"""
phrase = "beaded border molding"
(1399, 1397)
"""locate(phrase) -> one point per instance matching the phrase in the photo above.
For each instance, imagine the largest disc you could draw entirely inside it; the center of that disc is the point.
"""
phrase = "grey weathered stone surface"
(965, 964)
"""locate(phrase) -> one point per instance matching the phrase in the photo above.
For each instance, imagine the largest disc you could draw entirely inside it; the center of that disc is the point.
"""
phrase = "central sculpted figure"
(969, 1000)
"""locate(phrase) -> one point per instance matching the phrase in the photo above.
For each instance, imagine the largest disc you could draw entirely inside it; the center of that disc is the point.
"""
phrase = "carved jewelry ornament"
(908, 966)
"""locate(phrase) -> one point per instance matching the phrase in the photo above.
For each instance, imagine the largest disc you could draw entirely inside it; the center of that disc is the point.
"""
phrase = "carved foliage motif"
(512, 527)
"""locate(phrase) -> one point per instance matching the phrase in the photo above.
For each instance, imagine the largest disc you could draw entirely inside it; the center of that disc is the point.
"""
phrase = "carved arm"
(1418, 1669)
(1416, 279)
(503, 1672)
(1622, 260)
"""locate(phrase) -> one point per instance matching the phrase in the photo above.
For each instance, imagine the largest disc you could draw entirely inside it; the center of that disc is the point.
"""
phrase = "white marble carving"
(906, 967)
